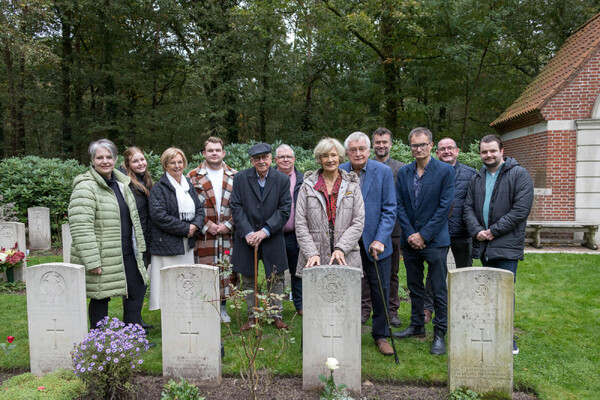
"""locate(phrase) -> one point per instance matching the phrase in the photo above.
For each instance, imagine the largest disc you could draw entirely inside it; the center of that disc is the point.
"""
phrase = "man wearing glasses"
(425, 192)
(285, 160)
(377, 187)
(260, 205)
(460, 240)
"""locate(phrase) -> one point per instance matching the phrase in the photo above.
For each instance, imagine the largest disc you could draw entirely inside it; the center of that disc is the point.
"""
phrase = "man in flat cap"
(260, 205)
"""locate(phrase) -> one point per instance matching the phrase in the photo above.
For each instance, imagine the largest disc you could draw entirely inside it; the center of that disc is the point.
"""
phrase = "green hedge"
(33, 181)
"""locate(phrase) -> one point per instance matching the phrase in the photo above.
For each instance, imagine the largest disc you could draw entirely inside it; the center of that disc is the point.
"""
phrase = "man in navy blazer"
(425, 192)
(377, 187)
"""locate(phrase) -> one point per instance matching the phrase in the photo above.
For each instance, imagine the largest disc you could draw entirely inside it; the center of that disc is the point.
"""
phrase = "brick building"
(553, 130)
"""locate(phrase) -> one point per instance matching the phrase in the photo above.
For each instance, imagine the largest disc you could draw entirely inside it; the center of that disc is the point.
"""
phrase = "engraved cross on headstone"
(190, 333)
(482, 341)
(56, 331)
(332, 336)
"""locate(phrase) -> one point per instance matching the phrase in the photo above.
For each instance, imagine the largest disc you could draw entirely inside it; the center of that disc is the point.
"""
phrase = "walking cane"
(255, 278)
(387, 315)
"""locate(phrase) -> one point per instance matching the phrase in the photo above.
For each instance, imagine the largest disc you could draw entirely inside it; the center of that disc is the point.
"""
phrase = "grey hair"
(355, 136)
(107, 144)
(420, 131)
(327, 144)
(284, 147)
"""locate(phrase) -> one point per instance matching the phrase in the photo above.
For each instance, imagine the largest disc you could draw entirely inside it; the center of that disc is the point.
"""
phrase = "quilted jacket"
(94, 220)
(166, 229)
(312, 227)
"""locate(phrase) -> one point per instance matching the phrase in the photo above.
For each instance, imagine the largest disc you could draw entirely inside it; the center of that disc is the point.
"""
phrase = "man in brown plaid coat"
(213, 181)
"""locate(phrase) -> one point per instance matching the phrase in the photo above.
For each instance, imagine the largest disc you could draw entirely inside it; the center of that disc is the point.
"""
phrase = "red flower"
(226, 252)
(10, 339)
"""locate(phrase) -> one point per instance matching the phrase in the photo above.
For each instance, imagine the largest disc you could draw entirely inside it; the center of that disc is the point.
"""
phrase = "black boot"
(438, 347)
(412, 330)
(145, 325)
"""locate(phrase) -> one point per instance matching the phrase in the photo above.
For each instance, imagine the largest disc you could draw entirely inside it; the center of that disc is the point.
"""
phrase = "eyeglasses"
(419, 145)
(355, 150)
(449, 148)
(262, 157)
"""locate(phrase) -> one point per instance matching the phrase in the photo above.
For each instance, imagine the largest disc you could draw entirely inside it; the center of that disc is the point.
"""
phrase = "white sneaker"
(224, 316)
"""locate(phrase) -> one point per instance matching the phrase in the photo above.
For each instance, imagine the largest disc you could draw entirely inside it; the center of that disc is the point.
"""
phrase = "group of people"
(363, 213)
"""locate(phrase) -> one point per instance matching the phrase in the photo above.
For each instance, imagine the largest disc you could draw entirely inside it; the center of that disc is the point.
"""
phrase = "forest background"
(156, 73)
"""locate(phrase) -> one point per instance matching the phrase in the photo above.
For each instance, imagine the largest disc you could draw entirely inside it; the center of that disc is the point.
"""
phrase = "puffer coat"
(510, 205)
(95, 223)
(312, 226)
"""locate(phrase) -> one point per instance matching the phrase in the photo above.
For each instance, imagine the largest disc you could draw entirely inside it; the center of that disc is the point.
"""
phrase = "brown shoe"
(300, 313)
(384, 347)
(248, 325)
(427, 316)
(279, 324)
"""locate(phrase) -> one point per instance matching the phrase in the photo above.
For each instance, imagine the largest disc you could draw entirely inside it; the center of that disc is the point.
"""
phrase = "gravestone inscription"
(331, 325)
(56, 314)
(480, 329)
(38, 219)
(191, 324)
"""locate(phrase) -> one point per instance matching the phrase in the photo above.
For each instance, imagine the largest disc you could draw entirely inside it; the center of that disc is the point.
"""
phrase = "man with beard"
(382, 143)
(213, 181)
(498, 203)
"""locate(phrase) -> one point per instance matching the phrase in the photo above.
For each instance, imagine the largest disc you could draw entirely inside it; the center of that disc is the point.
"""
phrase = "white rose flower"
(332, 363)
(3, 257)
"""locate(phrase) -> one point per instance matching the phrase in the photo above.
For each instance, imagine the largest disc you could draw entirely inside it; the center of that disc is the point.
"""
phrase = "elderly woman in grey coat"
(330, 213)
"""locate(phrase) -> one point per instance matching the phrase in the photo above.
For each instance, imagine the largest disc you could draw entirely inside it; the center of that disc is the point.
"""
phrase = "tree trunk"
(67, 59)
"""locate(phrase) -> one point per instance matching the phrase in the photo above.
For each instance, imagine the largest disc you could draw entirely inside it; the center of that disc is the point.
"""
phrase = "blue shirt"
(490, 182)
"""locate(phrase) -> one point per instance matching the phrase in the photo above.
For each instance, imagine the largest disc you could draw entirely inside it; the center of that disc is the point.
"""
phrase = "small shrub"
(108, 357)
(60, 384)
(182, 390)
(11, 287)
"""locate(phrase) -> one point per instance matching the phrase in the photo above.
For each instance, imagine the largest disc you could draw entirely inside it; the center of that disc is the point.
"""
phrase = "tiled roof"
(566, 63)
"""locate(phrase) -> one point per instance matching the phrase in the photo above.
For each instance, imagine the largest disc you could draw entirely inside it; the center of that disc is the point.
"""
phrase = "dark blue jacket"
(167, 230)
(462, 178)
(430, 218)
(380, 205)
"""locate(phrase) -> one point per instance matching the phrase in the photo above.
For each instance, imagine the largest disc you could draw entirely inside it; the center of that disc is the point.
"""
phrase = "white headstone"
(38, 219)
(67, 240)
(191, 323)
(480, 329)
(11, 233)
(450, 262)
(331, 325)
(56, 314)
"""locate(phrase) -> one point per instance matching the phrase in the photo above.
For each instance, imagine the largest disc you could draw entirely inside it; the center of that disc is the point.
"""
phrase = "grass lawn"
(556, 322)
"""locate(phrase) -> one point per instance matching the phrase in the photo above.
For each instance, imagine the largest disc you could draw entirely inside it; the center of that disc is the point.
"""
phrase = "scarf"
(185, 203)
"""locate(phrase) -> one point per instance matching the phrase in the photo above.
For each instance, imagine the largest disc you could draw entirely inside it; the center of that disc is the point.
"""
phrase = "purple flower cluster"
(110, 353)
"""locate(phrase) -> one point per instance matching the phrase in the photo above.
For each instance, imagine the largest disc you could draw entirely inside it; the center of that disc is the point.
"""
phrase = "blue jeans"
(292, 250)
(509, 265)
(380, 301)
(414, 262)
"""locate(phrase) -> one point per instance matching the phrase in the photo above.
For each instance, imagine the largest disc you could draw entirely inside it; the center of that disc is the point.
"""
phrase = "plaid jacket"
(210, 248)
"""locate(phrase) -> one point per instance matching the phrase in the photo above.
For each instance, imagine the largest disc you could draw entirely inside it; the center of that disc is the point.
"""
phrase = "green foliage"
(463, 394)
(10, 287)
(57, 385)
(33, 181)
(182, 390)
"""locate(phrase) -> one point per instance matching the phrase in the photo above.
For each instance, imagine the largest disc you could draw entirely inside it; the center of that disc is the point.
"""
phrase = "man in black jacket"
(496, 209)
(460, 240)
(260, 205)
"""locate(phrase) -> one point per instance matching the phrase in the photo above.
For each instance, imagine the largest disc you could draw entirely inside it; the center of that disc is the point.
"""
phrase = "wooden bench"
(589, 232)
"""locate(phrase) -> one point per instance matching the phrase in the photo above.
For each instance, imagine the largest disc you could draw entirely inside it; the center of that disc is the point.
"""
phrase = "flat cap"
(259, 148)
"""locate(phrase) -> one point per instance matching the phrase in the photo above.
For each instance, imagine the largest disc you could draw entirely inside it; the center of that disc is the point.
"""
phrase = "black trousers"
(132, 303)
